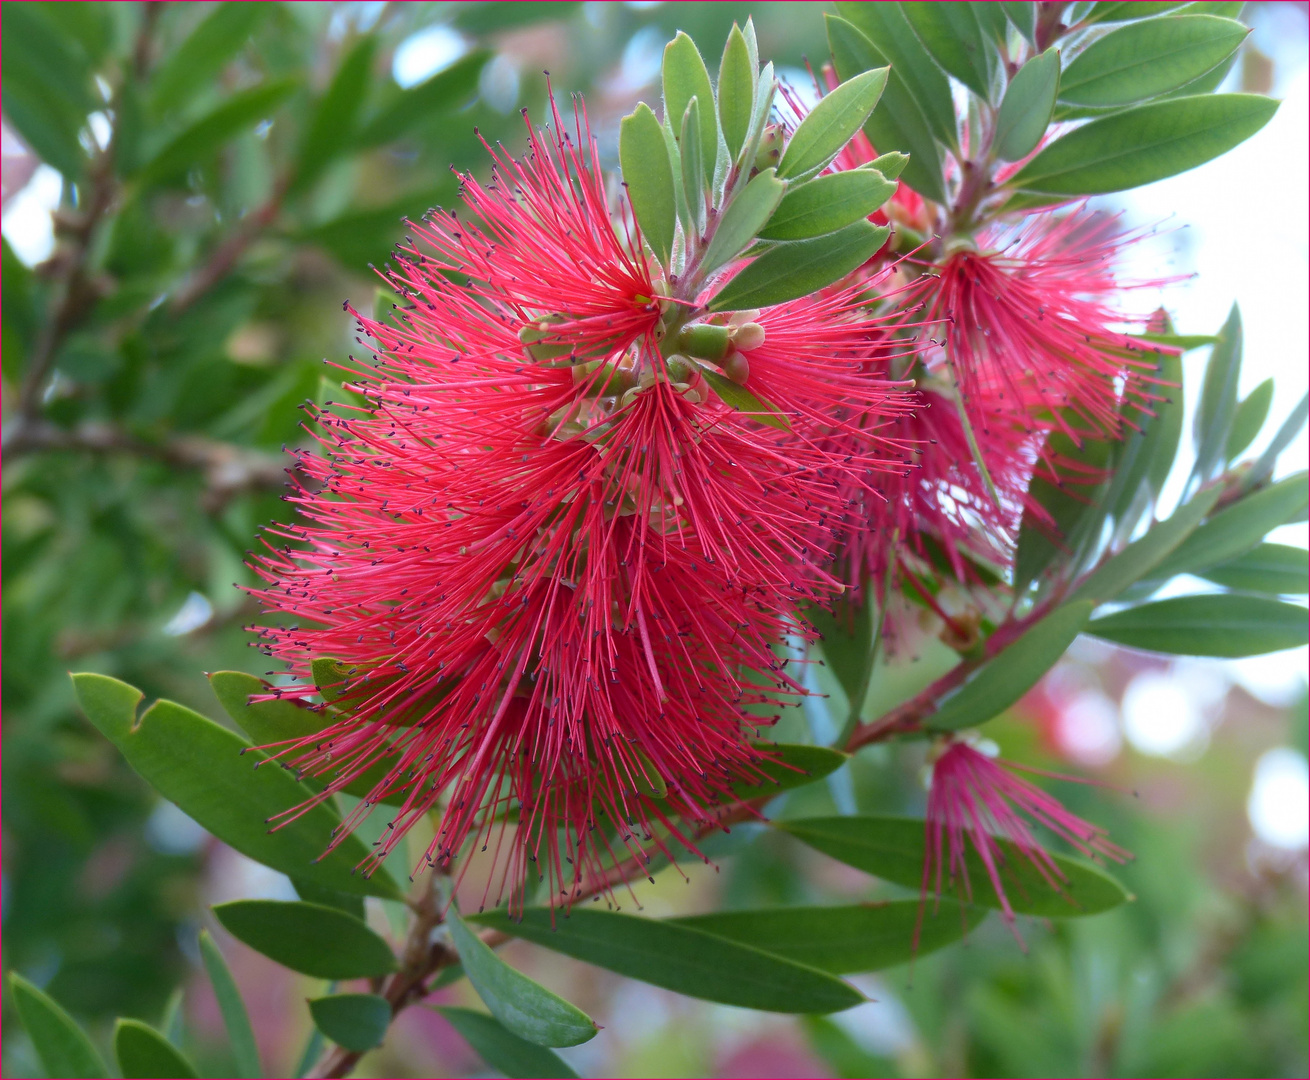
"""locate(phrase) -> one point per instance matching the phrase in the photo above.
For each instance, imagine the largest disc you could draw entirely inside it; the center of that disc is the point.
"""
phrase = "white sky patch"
(425, 52)
(1279, 803)
(196, 610)
(1160, 717)
(27, 224)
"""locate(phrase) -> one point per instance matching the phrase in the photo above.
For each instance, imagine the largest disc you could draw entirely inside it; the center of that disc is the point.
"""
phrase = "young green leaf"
(1022, 16)
(830, 125)
(741, 399)
(142, 1052)
(846, 639)
(1290, 429)
(648, 176)
(1224, 624)
(685, 77)
(736, 91)
(173, 1022)
(185, 69)
(525, 1007)
(1009, 675)
(1273, 569)
(744, 217)
(1186, 342)
(310, 938)
(1252, 412)
(355, 1022)
(891, 164)
(694, 189)
(892, 848)
(1166, 430)
(788, 271)
(502, 1049)
(1144, 59)
(1027, 106)
(61, 1046)
(240, 1036)
(954, 37)
(793, 765)
(427, 104)
(1218, 405)
(828, 203)
(331, 677)
(680, 959)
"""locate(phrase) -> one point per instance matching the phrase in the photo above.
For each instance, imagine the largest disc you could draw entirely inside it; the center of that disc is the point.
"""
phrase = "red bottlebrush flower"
(976, 798)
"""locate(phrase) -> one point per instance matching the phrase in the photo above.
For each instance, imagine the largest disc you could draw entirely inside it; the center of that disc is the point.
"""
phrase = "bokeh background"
(191, 191)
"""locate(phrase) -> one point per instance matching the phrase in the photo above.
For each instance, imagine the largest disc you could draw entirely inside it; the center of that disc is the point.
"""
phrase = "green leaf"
(203, 54)
(892, 848)
(828, 203)
(525, 1007)
(796, 269)
(694, 188)
(1252, 412)
(316, 894)
(1022, 16)
(1144, 144)
(794, 765)
(202, 140)
(952, 35)
(739, 398)
(831, 124)
(736, 91)
(899, 124)
(1225, 624)
(355, 1022)
(200, 767)
(680, 959)
(1186, 342)
(648, 176)
(1014, 671)
(1166, 432)
(846, 638)
(61, 1046)
(744, 217)
(427, 104)
(1027, 106)
(1126, 10)
(173, 1022)
(1218, 405)
(331, 128)
(502, 1049)
(240, 1036)
(685, 77)
(46, 88)
(842, 940)
(1290, 429)
(1275, 569)
(1144, 59)
(143, 1052)
(310, 938)
(331, 677)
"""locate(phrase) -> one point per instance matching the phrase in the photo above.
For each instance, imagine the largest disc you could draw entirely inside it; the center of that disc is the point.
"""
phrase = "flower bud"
(770, 151)
(748, 336)
(737, 368)
(705, 341)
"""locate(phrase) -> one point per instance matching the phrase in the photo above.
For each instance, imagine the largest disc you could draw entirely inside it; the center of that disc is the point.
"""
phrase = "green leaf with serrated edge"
(648, 176)
(331, 127)
(794, 765)
(61, 1046)
(1238, 528)
(427, 104)
(1222, 624)
(502, 1049)
(954, 38)
(736, 91)
(1274, 569)
(1144, 59)
(887, 29)
(831, 124)
(1290, 429)
(310, 938)
(694, 189)
(741, 399)
(685, 77)
(1252, 412)
(1026, 108)
(200, 767)
(1014, 671)
(185, 69)
(846, 638)
(355, 1022)
(1186, 342)
(899, 124)
(1022, 16)
(1144, 144)
(796, 269)
(143, 1052)
(744, 217)
(525, 1007)
(828, 203)
(316, 894)
(843, 940)
(1137, 561)
(892, 848)
(680, 959)
(236, 1021)
(1167, 428)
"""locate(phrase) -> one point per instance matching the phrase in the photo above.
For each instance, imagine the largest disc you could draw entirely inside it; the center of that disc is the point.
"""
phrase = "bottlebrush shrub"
(624, 462)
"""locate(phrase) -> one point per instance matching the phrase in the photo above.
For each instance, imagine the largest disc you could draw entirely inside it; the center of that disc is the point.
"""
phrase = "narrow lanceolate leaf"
(502, 1049)
(681, 959)
(1252, 412)
(797, 269)
(952, 34)
(828, 203)
(685, 77)
(355, 1022)
(185, 69)
(1126, 10)
(1144, 59)
(842, 940)
(143, 1052)
(846, 639)
(1003, 680)
(892, 848)
(61, 1046)
(1027, 106)
(695, 190)
(1225, 624)
(1022, 16)
(741, 399)
(1274, 569)
(332, 126)
(310, 938)
(792, 765)
(1143, 555)
(744, 217)
(201, 768)
(240, 1036)
(428, 103)
(832, 122)
(1166, 429)
(525, 1007)
(1217, 409)
(1289, 430)
(1144, 144)
(648, 176)
(736, 91)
